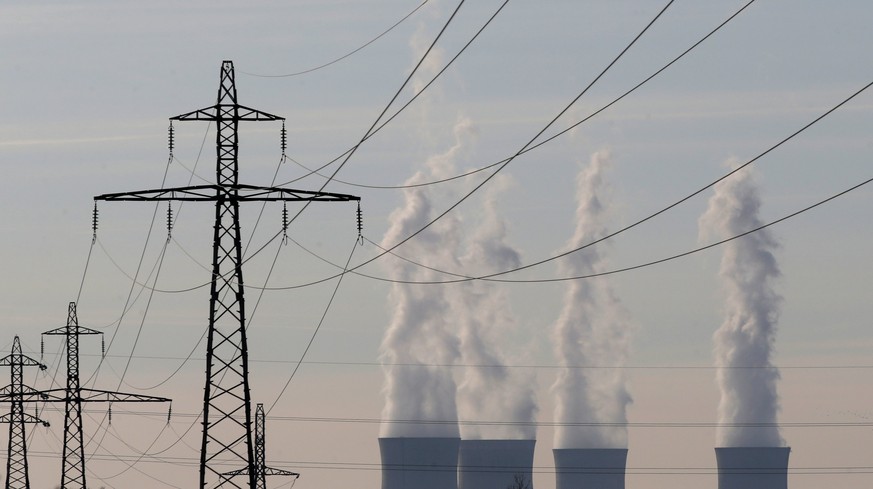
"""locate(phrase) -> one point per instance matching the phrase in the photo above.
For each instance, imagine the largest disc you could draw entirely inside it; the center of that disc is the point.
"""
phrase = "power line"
(646, 264)
(529, 143)
(519, 366)
(378, 128)
(493, 276)
(350, 53)
(550, 424)
(537, 145)
(314, 332)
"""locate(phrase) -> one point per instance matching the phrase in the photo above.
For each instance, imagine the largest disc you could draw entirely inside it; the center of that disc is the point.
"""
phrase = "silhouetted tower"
(15, 393)
(73, 472)
(261, 469)
(227, 414)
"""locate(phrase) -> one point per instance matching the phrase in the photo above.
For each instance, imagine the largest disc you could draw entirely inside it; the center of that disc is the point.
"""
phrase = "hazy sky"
(88, 87)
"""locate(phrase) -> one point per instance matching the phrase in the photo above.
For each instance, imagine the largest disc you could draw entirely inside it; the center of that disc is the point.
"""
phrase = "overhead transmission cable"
(527, 366)
(529, 143)
(534, 146)
(314, 332)
(494, 276)
(350, 53)
(376, 126)
(369, 131)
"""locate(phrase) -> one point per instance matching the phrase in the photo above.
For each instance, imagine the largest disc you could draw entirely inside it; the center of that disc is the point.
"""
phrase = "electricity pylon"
(261, 469)
(15, 393)
(73, 472)
(227, 413)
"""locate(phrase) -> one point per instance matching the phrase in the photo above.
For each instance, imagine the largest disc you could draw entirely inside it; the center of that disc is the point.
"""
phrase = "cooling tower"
(752, 467)
(493, 464)
(419, 463)
(590, 468)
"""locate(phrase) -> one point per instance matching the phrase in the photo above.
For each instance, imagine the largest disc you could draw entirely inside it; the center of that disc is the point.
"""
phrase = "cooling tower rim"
(418, 438)
(753, 447)
(487, 440)
(591, 449)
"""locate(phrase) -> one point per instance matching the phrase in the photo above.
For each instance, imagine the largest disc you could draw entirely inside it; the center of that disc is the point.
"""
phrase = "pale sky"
(88, 87)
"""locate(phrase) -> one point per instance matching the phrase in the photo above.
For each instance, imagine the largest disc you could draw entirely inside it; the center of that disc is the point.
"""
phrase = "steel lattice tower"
(15, 393)
(227, 414)
(261, 469)
(73, 472)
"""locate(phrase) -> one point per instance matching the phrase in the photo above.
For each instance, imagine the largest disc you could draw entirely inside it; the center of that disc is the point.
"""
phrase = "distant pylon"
(15, 393)
(227, 412)
(261, 469)
(73, 472)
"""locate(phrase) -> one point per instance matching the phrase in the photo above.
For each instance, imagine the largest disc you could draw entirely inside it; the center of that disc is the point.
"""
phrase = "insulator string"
(171, 139)
(360, 225)
(169, 221)
(94, 220)
(283, 140)
(284, 223)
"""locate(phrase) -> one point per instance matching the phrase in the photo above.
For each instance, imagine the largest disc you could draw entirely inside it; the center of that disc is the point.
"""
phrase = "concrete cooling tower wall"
(590, 468)
(419, 463)
(752, 467)
(494, 464)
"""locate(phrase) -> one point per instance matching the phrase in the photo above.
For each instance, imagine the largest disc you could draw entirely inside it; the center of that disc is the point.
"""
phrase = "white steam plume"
(490, 391)
(593, 329)
(744, 342)
(421, 342)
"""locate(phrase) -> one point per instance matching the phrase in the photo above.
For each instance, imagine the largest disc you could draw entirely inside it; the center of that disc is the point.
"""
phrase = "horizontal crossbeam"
(267, 471)
(8, 393)
(220, 113)
(94, 395)
(68, 330)
(240, 193)
(27, 418)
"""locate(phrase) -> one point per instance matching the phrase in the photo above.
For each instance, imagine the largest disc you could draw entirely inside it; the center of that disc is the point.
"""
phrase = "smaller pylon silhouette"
(15, 393)
(73, 474)
(261, 469)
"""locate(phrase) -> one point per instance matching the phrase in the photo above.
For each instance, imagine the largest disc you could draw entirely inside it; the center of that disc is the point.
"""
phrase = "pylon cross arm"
(272, 471)
(267, 471)
(67, 330)
(218, 113)
(94, 395)
(20, 361)
(242, 193)
(26, 417)
(24, 392)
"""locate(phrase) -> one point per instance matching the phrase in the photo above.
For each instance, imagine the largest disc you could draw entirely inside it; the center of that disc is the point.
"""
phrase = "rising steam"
(592, 330)
(490, 391)
(421, 341)
(744, 342)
